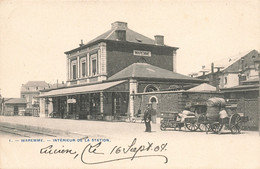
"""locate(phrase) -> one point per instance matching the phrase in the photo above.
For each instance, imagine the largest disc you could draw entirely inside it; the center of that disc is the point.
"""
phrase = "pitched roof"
(36, 83)
(229, 64)
(203, 87)
(15, 100)
(147, 71)
(131, 36)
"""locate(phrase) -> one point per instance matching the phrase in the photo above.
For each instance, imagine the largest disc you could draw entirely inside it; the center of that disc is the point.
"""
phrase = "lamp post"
(256, 60)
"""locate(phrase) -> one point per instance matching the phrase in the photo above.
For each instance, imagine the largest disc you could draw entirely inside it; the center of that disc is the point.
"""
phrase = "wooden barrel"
(212, 113)
(216, 102)
(213, 107)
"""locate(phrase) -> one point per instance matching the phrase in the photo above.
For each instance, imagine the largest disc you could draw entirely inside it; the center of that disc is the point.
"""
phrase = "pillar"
(68, 69)
(42, 107)
(101, 103)
(67, 104)
(78, 69)
(50, 105)
(77, 106)
(132, 91)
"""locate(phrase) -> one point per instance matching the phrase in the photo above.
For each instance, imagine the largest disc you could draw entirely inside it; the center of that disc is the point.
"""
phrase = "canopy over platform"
(81, 89)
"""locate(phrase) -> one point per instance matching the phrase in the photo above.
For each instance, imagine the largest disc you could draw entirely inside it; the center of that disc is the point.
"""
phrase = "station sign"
(142, 53)
(71, 101)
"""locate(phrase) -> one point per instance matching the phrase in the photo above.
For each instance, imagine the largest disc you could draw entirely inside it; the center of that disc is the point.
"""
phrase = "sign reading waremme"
(142, 53)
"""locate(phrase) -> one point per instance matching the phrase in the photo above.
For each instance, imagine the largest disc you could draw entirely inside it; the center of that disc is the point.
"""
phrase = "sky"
(35, 34)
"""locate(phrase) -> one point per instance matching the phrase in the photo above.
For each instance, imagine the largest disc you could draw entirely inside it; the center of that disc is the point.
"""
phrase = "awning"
(81, 89)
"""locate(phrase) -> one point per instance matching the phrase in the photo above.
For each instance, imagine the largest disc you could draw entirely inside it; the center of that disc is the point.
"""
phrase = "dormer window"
(138, 40)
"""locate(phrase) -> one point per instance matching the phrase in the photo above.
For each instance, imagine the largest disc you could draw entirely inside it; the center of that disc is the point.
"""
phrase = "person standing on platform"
(147, 118)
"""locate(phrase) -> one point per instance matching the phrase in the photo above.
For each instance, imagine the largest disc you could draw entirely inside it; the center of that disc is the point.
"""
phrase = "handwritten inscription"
(129, 152)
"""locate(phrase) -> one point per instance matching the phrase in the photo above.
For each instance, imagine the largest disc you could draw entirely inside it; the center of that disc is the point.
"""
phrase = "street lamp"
(256, 60)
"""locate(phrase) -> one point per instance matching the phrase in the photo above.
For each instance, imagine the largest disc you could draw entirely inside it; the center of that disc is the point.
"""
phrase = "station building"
(104, 75)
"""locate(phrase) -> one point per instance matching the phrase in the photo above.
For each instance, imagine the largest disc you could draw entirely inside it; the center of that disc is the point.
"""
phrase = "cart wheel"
(215, 127)
(202, 127)
(235, 123)
(201, 118)
(192, 126)
(174, 125)
(208, 126)
(163, 127)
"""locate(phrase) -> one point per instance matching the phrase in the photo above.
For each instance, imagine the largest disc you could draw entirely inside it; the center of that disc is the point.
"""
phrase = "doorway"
(15, 110)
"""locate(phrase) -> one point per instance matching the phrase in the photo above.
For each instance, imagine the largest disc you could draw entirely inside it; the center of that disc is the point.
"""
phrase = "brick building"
(245, 97)
(174, 100)
(104, 74)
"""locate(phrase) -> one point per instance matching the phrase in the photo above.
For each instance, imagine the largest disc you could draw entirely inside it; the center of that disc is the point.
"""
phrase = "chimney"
(81, 43)
(159, 39)
(242, 64)
(119, 25)
(212, 67)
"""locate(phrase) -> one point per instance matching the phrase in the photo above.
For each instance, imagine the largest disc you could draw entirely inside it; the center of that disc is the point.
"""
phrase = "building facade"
(104, 75)
(113, 51)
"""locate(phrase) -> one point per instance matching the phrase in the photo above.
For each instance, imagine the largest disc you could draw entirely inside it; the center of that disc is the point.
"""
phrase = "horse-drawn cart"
(205, 117)
(214, 123)
(173, 120)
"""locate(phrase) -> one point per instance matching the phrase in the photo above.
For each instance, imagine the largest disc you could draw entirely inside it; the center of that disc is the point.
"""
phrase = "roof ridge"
(110, 34)
(141, 35)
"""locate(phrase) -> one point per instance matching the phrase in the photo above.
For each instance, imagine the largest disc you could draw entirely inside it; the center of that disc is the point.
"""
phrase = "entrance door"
(15, 110)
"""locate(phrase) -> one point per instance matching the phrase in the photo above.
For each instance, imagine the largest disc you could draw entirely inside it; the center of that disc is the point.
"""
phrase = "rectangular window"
(74, 72)
(94, 67)
(93, 64)
(83, 69)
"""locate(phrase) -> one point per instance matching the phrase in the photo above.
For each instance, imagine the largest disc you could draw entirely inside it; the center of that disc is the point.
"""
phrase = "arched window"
(151, 88)
(153, 99)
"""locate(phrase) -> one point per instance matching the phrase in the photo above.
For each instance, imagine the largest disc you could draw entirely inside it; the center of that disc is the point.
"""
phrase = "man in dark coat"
(147, 118)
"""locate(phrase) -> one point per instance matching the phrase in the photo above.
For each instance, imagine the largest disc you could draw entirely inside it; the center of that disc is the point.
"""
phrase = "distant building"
(230, 72)
(31, 90)
(13, 106)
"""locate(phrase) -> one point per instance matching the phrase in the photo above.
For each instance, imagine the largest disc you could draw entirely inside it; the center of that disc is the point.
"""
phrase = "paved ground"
(183, 150)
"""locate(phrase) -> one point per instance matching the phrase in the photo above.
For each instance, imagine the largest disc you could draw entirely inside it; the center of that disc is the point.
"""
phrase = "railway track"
(23, 132)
